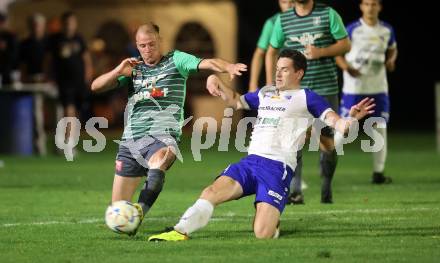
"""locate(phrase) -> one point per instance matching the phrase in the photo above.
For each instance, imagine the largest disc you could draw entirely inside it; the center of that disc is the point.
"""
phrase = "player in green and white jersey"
(263, 44)
(319, 33)
(154, 114)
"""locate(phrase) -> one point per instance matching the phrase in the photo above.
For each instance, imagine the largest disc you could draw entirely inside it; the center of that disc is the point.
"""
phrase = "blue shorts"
(269, 180)
(381, 100)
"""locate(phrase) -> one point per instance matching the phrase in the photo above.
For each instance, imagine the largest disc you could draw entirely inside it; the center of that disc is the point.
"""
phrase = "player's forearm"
(106, 81)
(342, 63)
(339, 48)
(232, 99)
(230, 96)
(391, 55)
(256, 64)
(342, 125)
(271, 55)
(217, 87)
(215, 64)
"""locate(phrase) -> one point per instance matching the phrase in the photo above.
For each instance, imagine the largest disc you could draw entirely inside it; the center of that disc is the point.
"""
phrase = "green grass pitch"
(52, 210)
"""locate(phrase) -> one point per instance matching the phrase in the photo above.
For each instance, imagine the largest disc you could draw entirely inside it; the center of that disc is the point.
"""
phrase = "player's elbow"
(346, 46)
(271, 52)
(259, 53)
(94, 87)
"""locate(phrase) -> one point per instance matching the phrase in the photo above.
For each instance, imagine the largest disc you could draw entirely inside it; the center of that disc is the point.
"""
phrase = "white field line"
(229, 215)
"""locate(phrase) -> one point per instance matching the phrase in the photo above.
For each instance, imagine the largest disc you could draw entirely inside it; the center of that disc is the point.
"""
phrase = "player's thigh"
(162, 158)
(222, 190)
(128, 174)
(124, 187)
(266, 220)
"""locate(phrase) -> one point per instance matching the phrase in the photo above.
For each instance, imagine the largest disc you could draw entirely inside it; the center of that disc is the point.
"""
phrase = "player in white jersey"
(373, 52)
(285, 113)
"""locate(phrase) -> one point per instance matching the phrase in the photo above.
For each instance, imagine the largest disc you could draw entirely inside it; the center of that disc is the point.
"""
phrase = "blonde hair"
(148, 28)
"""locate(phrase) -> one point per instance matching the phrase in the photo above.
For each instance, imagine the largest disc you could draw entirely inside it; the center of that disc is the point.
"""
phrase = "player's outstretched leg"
(198, 215)
(296, 196)
(151, 189)
(379, 159)
(266, 223)
(328, 161)
(160, 161)
(123, 189)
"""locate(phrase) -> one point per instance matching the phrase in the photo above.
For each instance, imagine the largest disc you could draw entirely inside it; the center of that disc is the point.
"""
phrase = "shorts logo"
(226, 170)
(118, 165)
(274, 194)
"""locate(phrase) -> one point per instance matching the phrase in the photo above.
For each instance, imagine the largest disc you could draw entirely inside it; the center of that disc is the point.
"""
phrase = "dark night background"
(411, 86)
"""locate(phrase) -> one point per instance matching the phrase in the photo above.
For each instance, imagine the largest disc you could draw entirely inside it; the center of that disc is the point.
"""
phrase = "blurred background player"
(70, 67)
(155, 82)
(8, 51)
(318, 31)
(277, 136)
(263, 44)
(373, 52)
(33, 50)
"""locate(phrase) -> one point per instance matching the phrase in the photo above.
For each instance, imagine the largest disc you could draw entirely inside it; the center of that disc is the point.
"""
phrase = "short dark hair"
(299, 61)
(3, 17)
(66, 15)
(379, 1)
(156, 27)
(35, 18)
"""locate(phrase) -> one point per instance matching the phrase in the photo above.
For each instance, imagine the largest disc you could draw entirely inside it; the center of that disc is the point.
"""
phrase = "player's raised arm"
(358, 111)
(222, 66)
(218, 88)
(109, 80)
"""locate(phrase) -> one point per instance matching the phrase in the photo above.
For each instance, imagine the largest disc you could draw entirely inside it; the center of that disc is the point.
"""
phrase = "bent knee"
(162, 159)
(208, 193)
(264, 232)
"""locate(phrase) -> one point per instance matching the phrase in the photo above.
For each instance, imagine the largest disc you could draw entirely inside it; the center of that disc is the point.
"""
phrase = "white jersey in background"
(282, 121)
(368, 47)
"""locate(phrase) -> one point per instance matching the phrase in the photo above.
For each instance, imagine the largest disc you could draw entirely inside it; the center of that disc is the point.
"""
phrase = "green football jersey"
(266, 33)
(321, 28)
(156, 96)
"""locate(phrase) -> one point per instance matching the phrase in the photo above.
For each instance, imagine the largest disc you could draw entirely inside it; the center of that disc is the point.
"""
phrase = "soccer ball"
(123, 217)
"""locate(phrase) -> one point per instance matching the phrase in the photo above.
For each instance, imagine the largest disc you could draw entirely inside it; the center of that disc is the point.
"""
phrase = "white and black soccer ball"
(122, 217)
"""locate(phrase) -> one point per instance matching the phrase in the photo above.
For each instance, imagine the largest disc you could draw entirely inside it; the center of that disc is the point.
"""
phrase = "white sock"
(195, 217)
(380, 157)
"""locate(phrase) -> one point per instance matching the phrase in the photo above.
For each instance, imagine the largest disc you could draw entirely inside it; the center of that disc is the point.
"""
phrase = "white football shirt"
(282, 121)
(368, 47)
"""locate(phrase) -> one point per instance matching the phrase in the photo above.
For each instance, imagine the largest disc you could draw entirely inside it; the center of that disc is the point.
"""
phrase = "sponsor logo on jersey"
(268, 121)
(148, 82)
(306, 38)
(317, 21)
(275, 194)
(272, 108)
(153, 93)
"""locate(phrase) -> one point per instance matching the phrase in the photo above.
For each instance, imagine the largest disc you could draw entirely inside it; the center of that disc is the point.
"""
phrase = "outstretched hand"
(312, 52)
(236, 69)
(363, 108)
(213, 86)
(127, 65)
